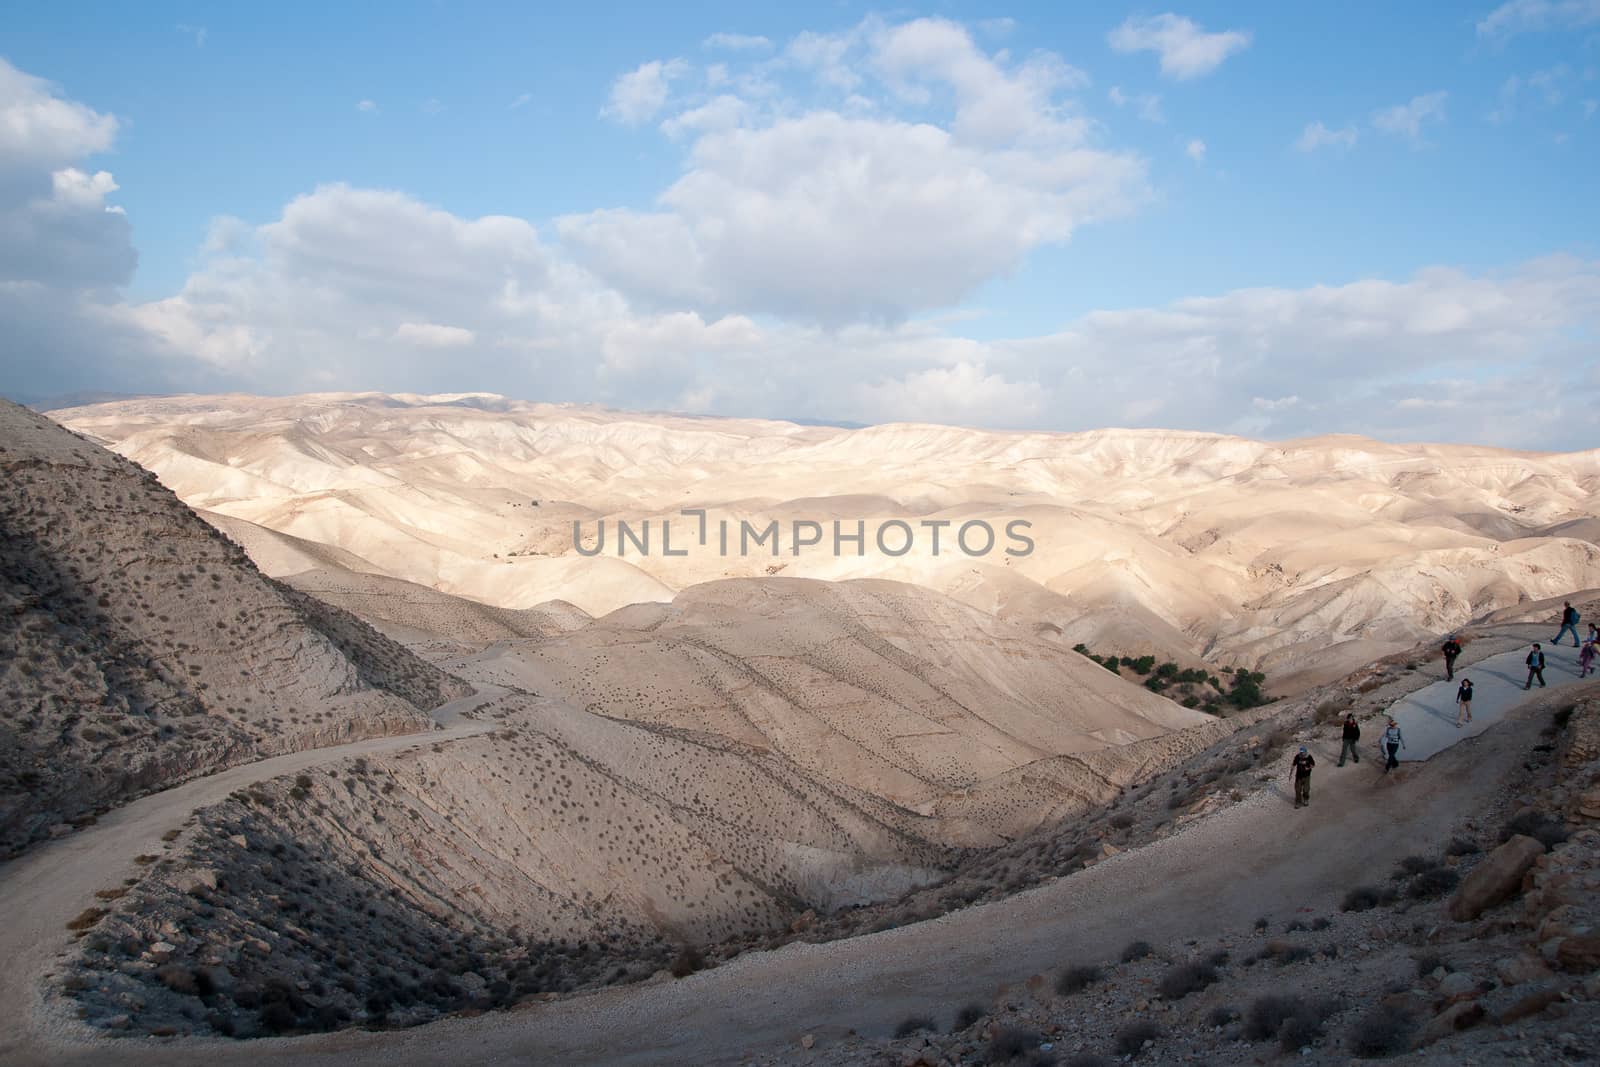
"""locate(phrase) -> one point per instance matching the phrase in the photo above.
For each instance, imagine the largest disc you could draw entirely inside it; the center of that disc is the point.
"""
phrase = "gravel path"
(1258, 857)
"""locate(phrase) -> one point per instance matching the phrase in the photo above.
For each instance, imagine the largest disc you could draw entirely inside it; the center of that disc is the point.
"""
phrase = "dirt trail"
(1259, 857)
(43, 890)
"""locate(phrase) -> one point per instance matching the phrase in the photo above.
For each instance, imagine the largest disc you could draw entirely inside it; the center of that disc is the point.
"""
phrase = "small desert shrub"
(1011, 1043)
(1431, 884)
(87, 918)
(1186, 978)
(1428, 963)
(1122, 820)
(1462, 846)
(1262, 923)
(1135, 950)
(1366, 897)
(1131, 1038)
(1415, 865)
(688, 960)
(1219, 958)
(1320, 923)
(1548, 831)
(1386, 1030)
(177, 978)
(1222, 1015)
(1269, 1015)
(913, 1025)
(1076, 979)
(968, 1015)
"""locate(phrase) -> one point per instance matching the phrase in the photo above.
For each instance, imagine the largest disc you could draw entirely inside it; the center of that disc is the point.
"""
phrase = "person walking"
(1352, 734)
(1390, 744)
(1452, 649)
(1586, 657)
(1569, 624)
(1464, 702)
(1535, 662)
(1300, 771)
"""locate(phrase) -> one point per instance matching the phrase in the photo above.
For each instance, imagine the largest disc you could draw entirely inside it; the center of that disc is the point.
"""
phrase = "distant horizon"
(47, 405)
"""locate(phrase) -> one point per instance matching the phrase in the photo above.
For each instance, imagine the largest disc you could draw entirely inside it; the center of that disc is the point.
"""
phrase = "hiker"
(1300, 771)
(1535, 662)
(1586, 657)
(1352, 734)
(1569, 623)
(1452, 649)
(1464, 702)
(1391, 743)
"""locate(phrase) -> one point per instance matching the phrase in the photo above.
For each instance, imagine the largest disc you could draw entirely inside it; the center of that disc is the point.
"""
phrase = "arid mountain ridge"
(1301, 558)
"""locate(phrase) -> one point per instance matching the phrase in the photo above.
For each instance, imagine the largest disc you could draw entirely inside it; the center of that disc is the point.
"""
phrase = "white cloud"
(367, 106)
(521, 100)
(1407, 119)
(1533, 16)
(1316, 136)
(432, 106)
(939, 167)
(1146, 105)
(39, 129)
(433, 335)
(1196, 150)
(963, 393)
(737, 42)
(639, 95)
(1185, 49)
(197, 33)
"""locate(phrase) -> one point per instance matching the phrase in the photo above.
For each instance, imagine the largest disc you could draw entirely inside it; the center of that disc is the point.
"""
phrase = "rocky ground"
(1480, 948)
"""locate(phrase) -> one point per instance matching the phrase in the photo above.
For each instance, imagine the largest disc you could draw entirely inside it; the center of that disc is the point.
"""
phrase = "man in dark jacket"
(1300, 771)
(1535, 662)
(1569, 623)
(1352, 734)
(1452, 649)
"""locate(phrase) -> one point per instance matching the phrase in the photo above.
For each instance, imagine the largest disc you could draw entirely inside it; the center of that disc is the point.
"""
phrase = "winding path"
(1258, 857)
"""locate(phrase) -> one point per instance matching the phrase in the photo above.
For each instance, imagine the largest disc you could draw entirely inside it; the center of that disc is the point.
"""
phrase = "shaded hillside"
(139, 647)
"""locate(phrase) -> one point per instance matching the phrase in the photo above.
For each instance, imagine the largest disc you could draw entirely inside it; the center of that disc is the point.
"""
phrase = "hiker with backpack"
(1300, 771)
(1452, 649)
(1535, 662)
(1390, 744)
(1569, 624)
(1464, 702)
(1352, 734)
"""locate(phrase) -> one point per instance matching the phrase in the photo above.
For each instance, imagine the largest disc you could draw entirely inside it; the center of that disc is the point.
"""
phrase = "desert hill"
(139, 647)
(886, 688)
(1303, 558)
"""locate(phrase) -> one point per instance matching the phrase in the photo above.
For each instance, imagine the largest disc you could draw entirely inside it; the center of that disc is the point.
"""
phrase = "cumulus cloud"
(1407, 119)
(639, 95)
(1196, 150)
(39, 129)
(873, 207)
(1316, 135)
(1185, 49)
(367, 106)
(1534, 16)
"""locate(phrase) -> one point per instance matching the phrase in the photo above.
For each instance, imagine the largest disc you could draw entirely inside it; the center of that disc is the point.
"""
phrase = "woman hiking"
(1464, 702)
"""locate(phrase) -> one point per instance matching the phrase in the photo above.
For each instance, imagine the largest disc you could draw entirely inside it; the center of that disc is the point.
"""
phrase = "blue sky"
(1094, 170)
